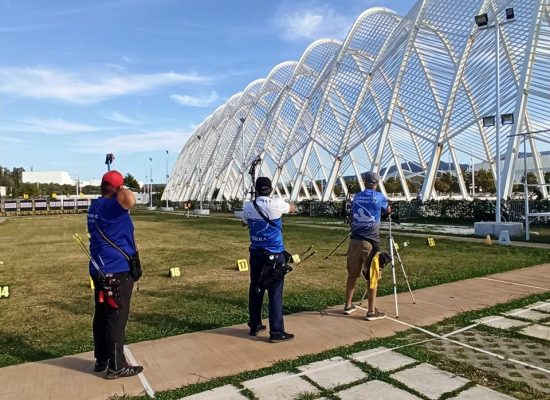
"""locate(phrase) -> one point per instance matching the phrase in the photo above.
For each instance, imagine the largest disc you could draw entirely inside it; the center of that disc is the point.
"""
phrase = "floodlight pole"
(166, 186)
(525, 187)
(497, 129)
(481, 21)
(242, 119)
(473, 177)
(200, 172)
(151, 182)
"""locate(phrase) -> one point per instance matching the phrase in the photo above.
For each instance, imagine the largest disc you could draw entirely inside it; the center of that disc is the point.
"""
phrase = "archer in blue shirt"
(263, 218)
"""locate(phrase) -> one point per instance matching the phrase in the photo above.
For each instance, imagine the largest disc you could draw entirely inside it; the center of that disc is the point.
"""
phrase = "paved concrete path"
(181, 360)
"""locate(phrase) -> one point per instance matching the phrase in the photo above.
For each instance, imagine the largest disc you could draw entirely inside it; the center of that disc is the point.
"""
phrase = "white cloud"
(56, 126)
(196, 101)
(7, 139)
(85, 87)
(136, 143)
(121, 118)
(313, 23)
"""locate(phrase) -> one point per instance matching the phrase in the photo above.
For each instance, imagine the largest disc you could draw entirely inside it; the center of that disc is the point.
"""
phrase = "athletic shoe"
(123, 372)
(283, 337)
(373, 316)
(258, 329)
(101, 366)
(348, 310)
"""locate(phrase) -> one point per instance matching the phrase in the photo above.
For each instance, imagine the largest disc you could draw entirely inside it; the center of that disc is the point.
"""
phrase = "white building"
(59, 177)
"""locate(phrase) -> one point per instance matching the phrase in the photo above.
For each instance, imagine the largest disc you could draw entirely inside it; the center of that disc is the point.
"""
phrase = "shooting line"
(141, 375)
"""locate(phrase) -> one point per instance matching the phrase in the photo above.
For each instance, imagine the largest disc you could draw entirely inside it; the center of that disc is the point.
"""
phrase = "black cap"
(263, 184)
(372, 178)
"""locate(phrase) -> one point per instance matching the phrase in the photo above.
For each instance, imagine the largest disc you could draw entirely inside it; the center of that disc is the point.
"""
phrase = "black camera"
(109, 158)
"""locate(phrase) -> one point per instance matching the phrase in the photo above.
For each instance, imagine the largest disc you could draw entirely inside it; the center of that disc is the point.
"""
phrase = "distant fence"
(43, 207)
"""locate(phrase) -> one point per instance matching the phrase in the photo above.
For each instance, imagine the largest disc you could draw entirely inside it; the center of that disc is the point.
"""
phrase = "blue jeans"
(256, 296)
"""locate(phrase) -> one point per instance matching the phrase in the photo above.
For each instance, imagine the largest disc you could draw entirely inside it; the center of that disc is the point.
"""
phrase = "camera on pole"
(109, 157)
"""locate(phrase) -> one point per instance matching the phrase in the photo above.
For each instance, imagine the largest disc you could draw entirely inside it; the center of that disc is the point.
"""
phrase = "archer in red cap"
(113, 249)
(113, 179)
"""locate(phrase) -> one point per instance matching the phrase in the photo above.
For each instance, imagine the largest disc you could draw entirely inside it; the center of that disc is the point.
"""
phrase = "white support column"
(460, 177)
(397, 87)
(357, 173)
(219, 197)
(301, 169)
(344, 186)
(332, 179)
(427, 190)
(304, 186)
(521, 104)
(207, 179)
(212, 189)
(537, 163)
(400, 173)
(276, 175)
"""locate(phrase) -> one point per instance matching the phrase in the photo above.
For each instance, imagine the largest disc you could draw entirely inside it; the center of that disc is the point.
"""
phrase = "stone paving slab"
(429, 380)
(279, 386)
(383, 359)
(481, 393)
(531, 315)
(227, 392)
(541, 306)
(500, 322)
(522, 349)
(538, 331)
(333, 372)
(375, 390)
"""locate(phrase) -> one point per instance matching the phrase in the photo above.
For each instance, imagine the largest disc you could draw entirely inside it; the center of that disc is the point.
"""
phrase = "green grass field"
(50, 309)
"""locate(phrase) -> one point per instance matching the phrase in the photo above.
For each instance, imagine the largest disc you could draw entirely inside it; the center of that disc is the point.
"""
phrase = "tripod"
(393, 251)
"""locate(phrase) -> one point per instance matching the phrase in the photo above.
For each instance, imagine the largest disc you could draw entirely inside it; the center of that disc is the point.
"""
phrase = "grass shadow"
(14, 350)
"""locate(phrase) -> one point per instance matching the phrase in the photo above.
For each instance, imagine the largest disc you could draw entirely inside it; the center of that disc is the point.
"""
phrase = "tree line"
(16, 188)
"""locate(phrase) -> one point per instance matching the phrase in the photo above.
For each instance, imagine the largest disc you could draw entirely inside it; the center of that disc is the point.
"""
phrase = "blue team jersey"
(366, 209)
(262, 234)
(115, 223)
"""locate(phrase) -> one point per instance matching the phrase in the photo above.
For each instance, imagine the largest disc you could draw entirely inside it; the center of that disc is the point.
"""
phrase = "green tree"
(485, 181)
(131, 182)
(392, 185)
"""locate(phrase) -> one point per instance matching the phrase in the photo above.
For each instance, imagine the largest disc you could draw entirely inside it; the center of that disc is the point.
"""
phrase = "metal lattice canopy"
(399, 96)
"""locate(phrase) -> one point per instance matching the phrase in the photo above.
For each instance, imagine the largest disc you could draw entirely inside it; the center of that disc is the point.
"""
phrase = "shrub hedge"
(447, 210)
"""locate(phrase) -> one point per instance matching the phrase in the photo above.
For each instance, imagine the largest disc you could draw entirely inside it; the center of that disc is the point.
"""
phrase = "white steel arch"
(400, 96)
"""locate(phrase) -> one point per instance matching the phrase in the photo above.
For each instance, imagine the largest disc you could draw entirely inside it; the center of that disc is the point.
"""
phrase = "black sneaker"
(373, 316)
(283, 337)
(123, 372)
(258, 329)
(101, 366)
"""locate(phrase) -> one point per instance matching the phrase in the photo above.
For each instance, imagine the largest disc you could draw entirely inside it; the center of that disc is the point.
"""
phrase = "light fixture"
(488, 121)
(507, 119)
(483, 20)
(509, 14)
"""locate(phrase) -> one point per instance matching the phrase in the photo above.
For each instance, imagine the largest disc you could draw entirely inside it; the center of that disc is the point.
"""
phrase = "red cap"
(113, 178)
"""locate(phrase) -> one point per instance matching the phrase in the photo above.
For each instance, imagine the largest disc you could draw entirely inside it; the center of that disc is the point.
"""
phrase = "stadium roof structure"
(398, 90)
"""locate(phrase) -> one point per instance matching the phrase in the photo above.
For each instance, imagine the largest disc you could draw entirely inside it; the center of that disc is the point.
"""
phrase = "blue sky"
(79, 79)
